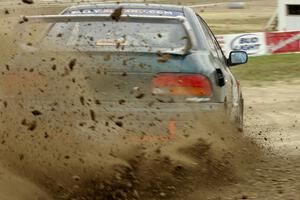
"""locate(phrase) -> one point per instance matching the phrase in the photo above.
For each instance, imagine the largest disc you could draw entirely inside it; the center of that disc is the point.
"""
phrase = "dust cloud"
(61, 138)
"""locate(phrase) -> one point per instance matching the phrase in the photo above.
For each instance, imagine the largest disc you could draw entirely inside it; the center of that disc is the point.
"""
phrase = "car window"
(212, 39)
(169, 35)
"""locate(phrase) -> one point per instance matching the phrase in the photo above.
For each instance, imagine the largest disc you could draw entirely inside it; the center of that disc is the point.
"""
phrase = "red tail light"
(182, 84)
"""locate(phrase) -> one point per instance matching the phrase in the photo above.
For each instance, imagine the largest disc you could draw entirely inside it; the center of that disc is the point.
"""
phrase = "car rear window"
(125, 35)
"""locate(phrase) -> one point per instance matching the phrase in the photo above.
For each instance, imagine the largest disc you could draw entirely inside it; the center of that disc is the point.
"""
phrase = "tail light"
(182, 85)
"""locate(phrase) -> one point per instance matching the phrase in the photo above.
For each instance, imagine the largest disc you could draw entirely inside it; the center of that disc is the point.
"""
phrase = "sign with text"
(253, 43)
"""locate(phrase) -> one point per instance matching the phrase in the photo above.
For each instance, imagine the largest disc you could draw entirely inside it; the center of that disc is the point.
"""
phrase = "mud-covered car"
(151, 63)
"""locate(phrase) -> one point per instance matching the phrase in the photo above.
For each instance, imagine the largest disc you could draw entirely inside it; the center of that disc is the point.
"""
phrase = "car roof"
(166, 7)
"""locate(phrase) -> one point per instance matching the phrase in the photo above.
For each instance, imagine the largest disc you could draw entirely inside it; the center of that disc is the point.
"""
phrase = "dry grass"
(251, 19)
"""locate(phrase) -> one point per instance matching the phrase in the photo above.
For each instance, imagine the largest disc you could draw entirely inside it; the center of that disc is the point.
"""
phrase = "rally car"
(145, 58)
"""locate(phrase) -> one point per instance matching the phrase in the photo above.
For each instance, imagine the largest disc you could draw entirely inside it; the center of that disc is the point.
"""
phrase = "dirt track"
(272, 122)
(270, 171)
(50, 162)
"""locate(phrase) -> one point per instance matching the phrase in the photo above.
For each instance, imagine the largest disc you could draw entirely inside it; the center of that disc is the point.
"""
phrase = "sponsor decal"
(112, 42)
(149, 12)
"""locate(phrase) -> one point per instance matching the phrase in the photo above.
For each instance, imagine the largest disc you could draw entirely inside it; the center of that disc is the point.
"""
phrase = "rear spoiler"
(88, 17)
(99, 18)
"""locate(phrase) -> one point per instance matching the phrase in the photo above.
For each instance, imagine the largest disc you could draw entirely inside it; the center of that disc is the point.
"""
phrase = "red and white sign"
(257, 44)
(221, 40)
(283, 42)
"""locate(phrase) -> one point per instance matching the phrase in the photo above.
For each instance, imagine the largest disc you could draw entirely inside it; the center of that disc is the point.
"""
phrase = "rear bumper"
(164, 113)
(171, 121)
(172, 108)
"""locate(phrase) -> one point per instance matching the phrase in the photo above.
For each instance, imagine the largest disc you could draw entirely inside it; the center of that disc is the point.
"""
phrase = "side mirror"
(237, 58)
